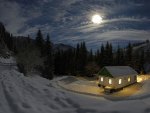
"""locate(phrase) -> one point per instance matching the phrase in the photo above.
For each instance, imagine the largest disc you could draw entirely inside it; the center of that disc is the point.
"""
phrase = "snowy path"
(19, 94)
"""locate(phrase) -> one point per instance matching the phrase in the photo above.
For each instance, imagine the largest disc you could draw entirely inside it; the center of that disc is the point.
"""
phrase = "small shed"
(117, 77)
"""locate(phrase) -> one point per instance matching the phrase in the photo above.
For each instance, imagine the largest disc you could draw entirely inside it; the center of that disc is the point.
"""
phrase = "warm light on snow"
(142, 78)
(96, 19)
(139, 79)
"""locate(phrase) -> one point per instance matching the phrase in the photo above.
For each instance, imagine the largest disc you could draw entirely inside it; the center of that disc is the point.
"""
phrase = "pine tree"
(122, 57)
(118, 56)
(2, 31)
(110, 55)
(77, 58)
(129, 55)
(97, 57)
(136, 62)
(40, 42)
(119, 59)
(48, 63)
(48, 46)
(84, 54)
(102, 55)
(3, 40)
(28, 39)
(90, 57)
(142, 61)
(83, 57)
(57, 62)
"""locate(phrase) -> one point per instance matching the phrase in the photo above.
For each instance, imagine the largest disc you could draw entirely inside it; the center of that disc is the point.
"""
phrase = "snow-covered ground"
(34, 94)
(10, 60)
(20, 94)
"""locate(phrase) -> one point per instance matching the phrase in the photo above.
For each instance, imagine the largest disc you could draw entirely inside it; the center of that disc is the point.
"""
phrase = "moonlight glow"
(96, 19)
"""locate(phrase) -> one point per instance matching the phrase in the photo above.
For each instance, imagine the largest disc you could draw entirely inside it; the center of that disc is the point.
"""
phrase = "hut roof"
(116, 71)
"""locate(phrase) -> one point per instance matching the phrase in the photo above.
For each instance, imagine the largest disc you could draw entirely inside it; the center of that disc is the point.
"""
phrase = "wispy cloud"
(14, 16)
(10, 15)
(143, 19)
(69, 21)
(129, 34)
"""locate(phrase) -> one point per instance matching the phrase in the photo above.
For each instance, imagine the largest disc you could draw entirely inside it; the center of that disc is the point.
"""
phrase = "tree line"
(38, 56)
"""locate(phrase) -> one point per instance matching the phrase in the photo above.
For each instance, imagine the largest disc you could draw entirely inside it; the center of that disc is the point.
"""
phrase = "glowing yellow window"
(102, 79)
(110, 81)
(129, 79)
(120, 81)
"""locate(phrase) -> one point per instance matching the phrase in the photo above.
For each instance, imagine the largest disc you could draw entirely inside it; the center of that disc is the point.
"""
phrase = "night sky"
(69, 21)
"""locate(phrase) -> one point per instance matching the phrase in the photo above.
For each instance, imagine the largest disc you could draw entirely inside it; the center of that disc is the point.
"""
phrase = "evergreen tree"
(97, 57)
(84, 54)
(90, 57)
(82, 57)
(48, 63)
(8, 40)
(136, 61)
(77, 58)
(122, 57)
(2, 31)
(142, 61)
(110, 55)
(40, 42)
(102, 56)
(106, 55)
(57, 62)
(28, 39)
(118, 56)
(129, 55)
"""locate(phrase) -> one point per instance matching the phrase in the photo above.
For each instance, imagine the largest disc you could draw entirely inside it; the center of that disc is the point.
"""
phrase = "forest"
(37, 55)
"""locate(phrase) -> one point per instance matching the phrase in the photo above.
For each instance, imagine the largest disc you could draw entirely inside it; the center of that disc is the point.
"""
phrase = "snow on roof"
(116, 71)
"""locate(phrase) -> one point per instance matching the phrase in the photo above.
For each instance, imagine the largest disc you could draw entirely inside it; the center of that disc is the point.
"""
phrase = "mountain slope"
(143, 47)
(146, 48)
(62, 47)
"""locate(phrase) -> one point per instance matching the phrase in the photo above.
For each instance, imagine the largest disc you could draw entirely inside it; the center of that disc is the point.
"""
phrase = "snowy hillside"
(145, 47)
(20, 94)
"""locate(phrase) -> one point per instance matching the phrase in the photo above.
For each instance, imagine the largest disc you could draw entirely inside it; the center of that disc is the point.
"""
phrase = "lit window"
(110, 81)
(120, 80)
(129, 79)
(102, 79)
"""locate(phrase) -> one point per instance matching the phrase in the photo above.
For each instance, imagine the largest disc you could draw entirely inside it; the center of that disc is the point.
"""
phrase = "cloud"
(116, 36)
(129, 34)
(46, 29)
(10, 16)
(143, 19)
(69, 21)
(15, 17)
(95, 39)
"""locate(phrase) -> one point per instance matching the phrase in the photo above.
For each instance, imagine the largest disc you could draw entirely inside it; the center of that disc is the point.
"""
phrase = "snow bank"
(29, 95)
(10, 60)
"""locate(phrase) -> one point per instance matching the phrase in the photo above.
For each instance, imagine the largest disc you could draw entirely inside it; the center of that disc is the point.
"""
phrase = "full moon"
(96, 19)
